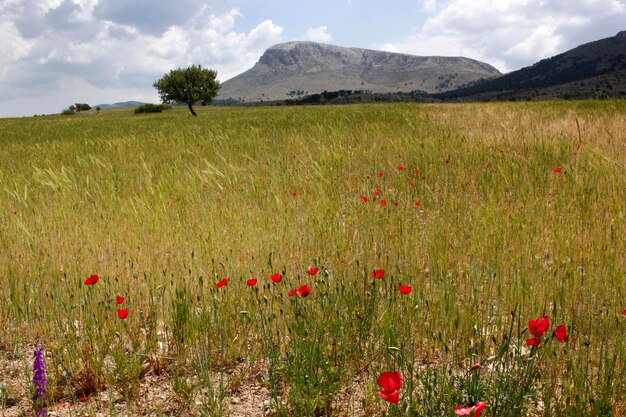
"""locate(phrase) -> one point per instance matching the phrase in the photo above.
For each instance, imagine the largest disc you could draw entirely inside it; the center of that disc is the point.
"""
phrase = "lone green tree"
(189, 85)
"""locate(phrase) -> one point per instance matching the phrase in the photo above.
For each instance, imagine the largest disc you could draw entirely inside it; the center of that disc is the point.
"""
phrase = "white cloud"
(95, 60)
(12, 48)
(318, 34)
(510, 34)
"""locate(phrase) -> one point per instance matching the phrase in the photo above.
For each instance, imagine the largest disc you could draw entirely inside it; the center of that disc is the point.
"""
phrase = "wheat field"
(437, 233)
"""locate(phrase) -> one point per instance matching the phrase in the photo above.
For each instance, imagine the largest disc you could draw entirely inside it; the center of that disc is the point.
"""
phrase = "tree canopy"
(189, 85)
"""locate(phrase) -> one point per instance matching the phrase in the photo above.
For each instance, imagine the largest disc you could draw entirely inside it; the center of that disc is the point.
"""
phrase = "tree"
(188, 85)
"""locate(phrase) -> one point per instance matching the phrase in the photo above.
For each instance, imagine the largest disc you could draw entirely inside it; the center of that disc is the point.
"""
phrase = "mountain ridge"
(295, 69)
(596, 68)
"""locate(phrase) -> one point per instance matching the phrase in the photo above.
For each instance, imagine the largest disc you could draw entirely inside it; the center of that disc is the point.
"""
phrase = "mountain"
(295, 69)
(122, 105)
(595, 69)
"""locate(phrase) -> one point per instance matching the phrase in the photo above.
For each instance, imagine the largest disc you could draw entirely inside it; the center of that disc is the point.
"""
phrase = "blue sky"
(57, 52)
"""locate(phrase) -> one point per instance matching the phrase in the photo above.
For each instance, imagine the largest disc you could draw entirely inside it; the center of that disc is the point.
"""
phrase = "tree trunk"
(191, 109)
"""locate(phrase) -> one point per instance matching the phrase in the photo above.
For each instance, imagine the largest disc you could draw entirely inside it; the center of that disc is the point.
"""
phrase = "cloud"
(149, 16)
(510, 34)
(318, 34)
(90, 51)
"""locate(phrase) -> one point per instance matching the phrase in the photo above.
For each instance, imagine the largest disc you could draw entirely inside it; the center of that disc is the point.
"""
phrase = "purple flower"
(39, 382)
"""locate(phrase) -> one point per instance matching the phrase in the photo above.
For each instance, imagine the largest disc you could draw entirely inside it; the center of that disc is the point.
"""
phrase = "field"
(487, 216)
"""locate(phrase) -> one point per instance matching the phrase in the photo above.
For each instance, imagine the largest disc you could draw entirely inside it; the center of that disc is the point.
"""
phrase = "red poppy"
(383, 202)
(92, 280)
(558, 170)
(405, 289)
(470, 410)
(251, 282)
(119, 300)
(535, 341)
(292, 292)
(624, 312)
(363, 198)
(475, 367)
(417, 204)
(539, 326)
(400, 167)
(275, 277)
(83, 399)
(488, 165)
(390, 382)
(380, 174)
(412, 184)
(379, 273)
(293, 194)
(561, 334)
(312, 271)
(221, 283)
(122, 313)
(575, 153)
(377, 191)
(395, 203)
(303, 291)
(447, 161)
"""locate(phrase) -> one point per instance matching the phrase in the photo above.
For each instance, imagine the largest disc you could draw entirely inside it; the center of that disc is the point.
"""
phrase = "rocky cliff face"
(294, 69)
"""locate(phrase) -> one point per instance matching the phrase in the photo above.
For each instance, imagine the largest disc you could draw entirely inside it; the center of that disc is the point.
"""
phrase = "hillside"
(296, 69)
(595, 69)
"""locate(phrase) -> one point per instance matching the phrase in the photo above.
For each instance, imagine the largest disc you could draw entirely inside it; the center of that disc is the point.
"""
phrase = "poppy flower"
(400, 167)
(535, 341)
(380, 174)
(475, 367)
(303, 291)
(558, 170)
(83, 399)
(383, 202)
(624, 312)
(395, 203)
(251, 282)
(376, 192)
(275, 277)
(471, 410)
(221, 283)
(405, 289)
(312, 271)
(417, 204)
(412, 184)
(539, 326)
(363, 198)
(92, 280)
(119, 300)
(447, 161)
(292, 292)
(379, 273)
(293, 194)
(390, 382)
(122, 313)
(561, 334)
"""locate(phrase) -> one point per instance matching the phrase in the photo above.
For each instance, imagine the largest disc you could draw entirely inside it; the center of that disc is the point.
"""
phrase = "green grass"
(163, 206)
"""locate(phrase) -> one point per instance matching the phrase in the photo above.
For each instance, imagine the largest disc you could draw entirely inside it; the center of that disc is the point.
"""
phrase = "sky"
(54, 53)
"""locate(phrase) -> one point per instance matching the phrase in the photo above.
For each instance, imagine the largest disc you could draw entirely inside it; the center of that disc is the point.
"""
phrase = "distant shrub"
(67, 112)
(150, 108)
(81, 107)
